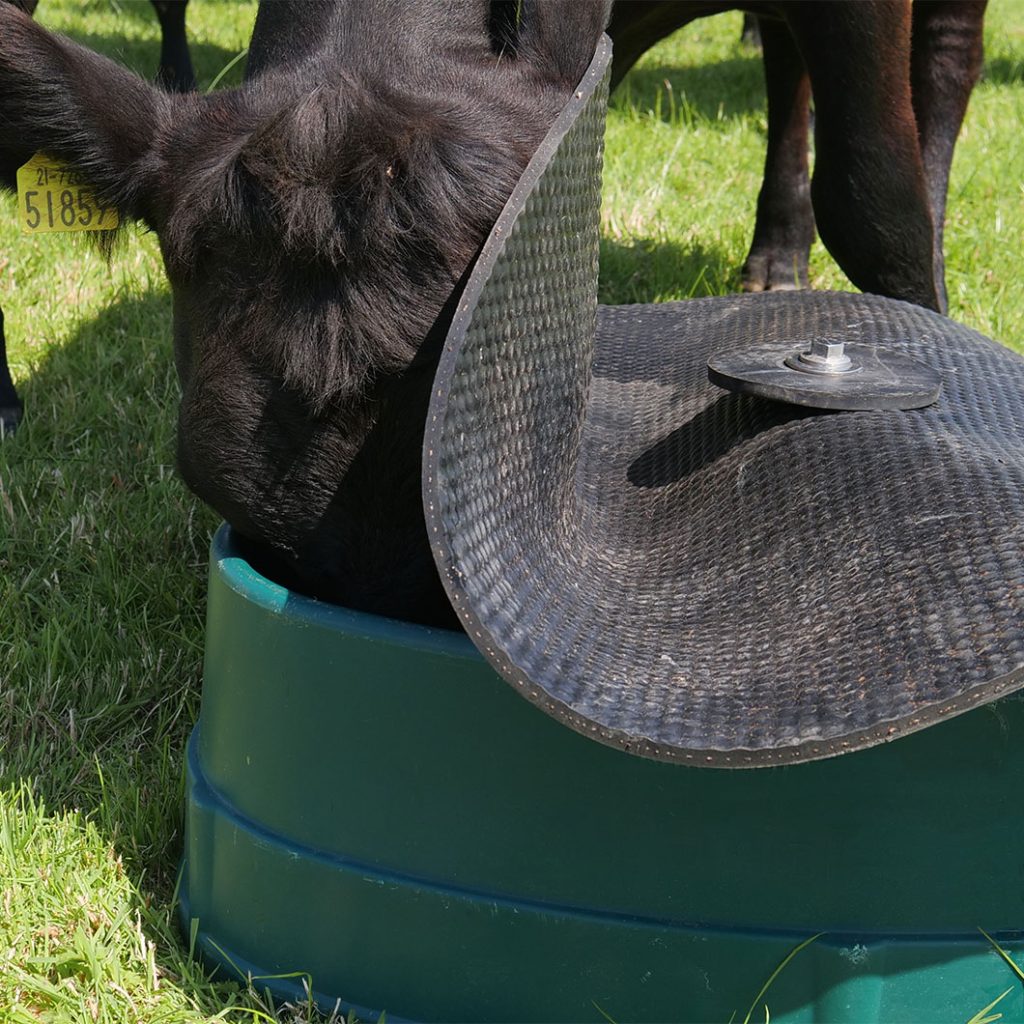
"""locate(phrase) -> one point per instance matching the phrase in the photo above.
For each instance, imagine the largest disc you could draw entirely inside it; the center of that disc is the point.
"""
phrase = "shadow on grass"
(645, 270)
(107, 555)
(723, 90)
(102, 592)
(1003, 71)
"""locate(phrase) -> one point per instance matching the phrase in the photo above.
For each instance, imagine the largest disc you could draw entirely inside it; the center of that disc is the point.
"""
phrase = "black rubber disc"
(885, 379)
(699, 576)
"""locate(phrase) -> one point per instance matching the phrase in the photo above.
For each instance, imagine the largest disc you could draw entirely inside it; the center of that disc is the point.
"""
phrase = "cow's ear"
(559, 35)
(64, 100)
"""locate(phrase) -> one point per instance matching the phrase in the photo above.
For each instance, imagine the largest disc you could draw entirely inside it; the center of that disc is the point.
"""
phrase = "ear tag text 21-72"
(53, 197)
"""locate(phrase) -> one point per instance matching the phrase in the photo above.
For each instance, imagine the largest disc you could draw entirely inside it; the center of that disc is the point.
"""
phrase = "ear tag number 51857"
(53, 197)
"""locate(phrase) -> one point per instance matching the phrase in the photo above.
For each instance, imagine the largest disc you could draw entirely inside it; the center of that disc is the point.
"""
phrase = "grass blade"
(778, 970)
(227, 67)
(1002, 952)
(981, 1017)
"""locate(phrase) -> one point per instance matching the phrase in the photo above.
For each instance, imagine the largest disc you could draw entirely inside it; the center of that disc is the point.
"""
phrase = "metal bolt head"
(823, 356)
(830, 351)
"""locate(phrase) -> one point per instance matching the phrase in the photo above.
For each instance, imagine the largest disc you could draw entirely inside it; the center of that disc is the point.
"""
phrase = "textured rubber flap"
(700, 576)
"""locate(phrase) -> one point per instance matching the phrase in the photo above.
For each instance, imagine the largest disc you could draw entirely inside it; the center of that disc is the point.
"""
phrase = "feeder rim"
(244, 580)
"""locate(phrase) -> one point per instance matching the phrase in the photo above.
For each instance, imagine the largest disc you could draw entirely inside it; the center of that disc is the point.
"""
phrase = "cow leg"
(784, 229)
(750, 35)
(175, 73)
(10, 404)
(869, 191)
(945, 64)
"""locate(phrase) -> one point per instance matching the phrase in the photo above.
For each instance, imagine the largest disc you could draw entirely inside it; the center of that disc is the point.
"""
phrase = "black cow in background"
(317, 223)
(921, 59)
(175, 74)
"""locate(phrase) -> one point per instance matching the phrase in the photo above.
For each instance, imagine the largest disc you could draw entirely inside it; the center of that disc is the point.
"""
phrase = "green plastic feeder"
(375, 816)
(373, 812)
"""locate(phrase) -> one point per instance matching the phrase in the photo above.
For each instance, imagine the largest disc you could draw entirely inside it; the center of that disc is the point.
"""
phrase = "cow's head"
(315, 224)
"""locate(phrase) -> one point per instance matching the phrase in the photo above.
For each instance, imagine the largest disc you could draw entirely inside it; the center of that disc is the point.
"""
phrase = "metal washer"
(884, 379)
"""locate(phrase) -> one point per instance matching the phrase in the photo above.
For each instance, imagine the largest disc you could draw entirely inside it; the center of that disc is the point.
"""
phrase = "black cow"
(316, 225)
(175, 74)
(879, 198)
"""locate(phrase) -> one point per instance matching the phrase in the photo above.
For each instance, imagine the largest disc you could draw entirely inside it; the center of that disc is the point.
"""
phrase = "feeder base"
(370, 806)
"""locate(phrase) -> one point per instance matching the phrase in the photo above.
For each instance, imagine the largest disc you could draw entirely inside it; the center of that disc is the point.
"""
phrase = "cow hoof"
(774, 282)
(773, 286)
(10, 417)
(778, 268)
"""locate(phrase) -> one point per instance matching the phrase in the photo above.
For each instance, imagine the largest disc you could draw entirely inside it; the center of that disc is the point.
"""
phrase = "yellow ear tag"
(53, 197)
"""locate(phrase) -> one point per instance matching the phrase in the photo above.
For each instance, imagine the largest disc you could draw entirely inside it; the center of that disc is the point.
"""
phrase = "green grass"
(102, 551)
